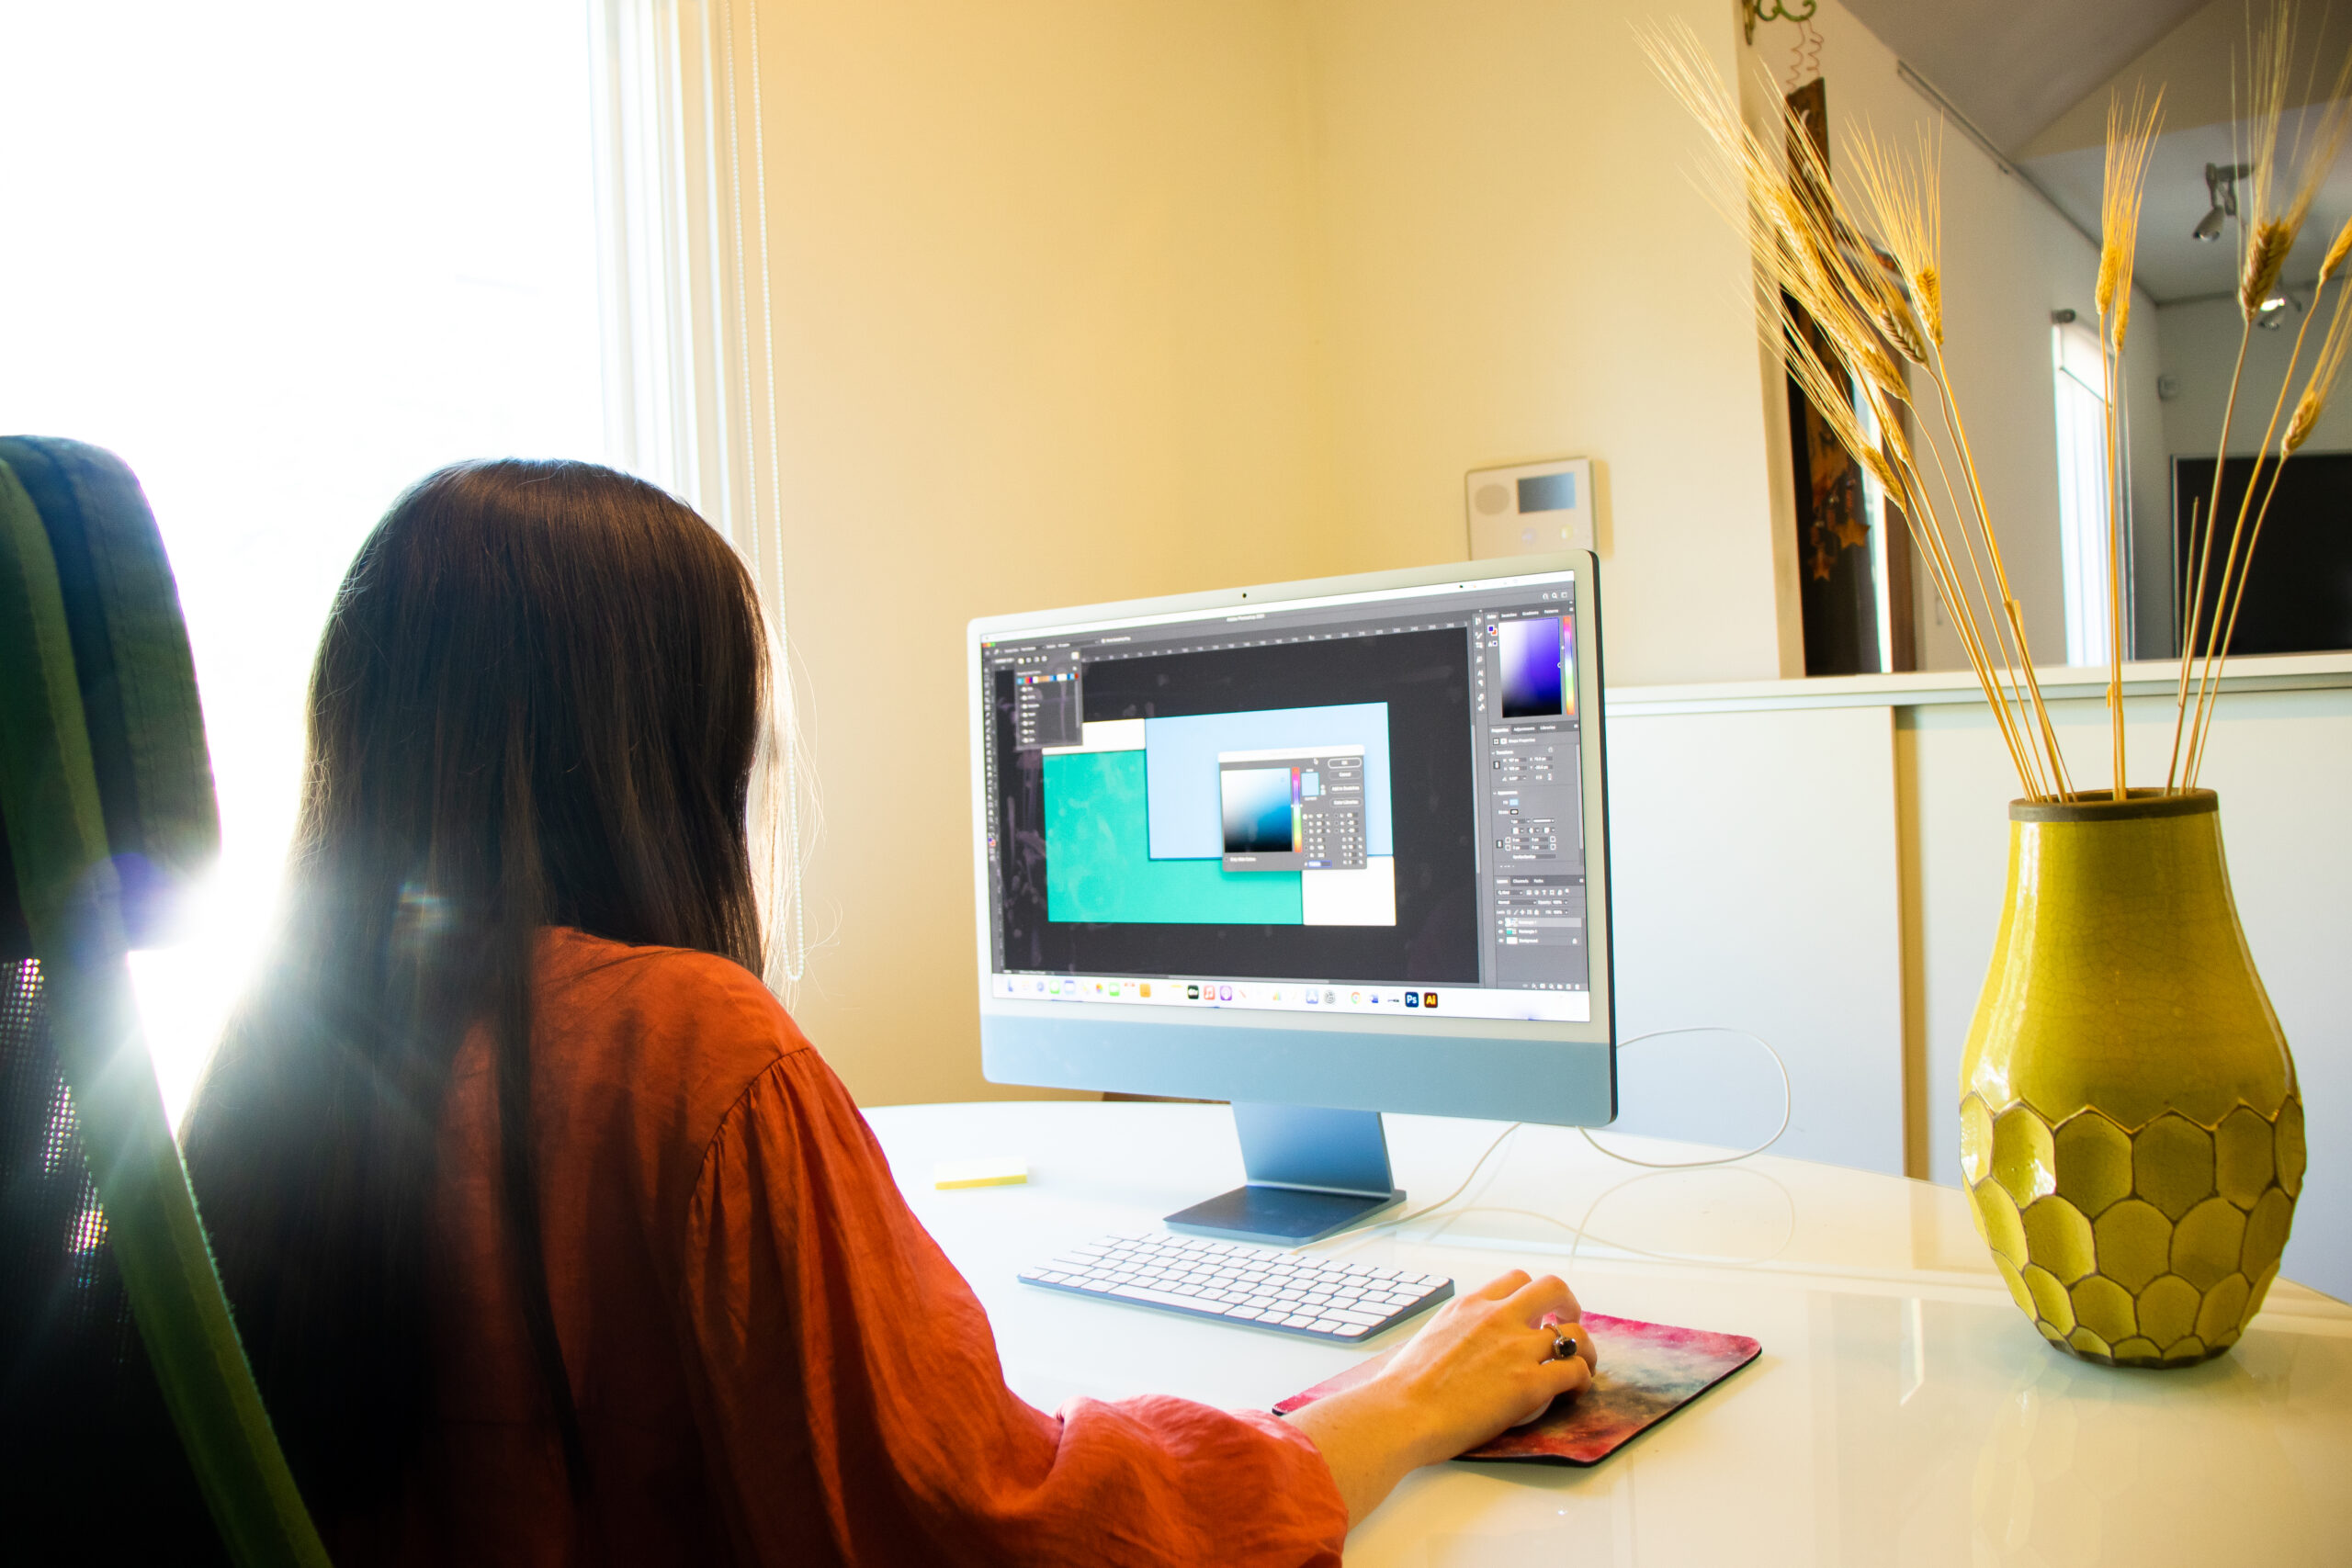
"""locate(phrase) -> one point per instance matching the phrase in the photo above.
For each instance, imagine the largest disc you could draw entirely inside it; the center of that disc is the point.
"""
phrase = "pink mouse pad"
(1648, 1370)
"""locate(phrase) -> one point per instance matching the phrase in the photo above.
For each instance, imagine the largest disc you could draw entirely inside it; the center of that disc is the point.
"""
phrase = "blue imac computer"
(1322, 849)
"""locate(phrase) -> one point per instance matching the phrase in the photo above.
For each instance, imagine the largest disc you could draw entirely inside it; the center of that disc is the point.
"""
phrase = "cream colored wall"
(1077, 302)
(2201, 339)
(1043, 271)
(1516, 265)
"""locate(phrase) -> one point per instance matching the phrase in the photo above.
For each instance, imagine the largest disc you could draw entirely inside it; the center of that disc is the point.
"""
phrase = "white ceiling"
(2171, 265)
(2013, 66)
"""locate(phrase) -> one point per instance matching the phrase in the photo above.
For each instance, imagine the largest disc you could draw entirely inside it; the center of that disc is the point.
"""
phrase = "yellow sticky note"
(952, 1173)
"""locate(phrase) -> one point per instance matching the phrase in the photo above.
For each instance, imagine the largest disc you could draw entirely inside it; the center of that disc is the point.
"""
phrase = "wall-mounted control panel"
(1530, 508)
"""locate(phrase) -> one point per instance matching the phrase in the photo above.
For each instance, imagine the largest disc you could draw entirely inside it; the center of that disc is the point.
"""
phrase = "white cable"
(1788, 1102)
(1427, 1208)
(1583, 1227)
(1788, 1105)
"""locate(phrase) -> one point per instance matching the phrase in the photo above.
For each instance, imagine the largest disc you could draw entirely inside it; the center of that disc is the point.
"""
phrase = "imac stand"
(1311, 1172)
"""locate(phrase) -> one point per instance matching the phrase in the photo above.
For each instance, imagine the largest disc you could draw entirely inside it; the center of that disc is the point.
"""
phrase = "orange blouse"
(772, 1360)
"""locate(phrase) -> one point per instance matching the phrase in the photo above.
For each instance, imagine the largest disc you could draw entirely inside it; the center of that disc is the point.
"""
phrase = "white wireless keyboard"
(1262, 1286)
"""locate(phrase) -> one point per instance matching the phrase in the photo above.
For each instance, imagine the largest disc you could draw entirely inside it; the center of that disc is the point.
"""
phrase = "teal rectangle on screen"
(1098, 858)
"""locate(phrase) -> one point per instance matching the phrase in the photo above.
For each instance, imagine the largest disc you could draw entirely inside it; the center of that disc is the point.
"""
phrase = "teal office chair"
(105, 794)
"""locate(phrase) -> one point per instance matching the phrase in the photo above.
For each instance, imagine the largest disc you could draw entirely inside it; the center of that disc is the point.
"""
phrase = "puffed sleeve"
(852, 1404)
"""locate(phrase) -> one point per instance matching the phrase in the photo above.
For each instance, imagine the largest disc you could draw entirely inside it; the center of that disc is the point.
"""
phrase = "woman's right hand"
(1483, 1363)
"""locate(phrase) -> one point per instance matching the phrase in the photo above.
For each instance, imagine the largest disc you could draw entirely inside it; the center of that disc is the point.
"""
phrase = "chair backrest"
(92, 1473)
(106, 798)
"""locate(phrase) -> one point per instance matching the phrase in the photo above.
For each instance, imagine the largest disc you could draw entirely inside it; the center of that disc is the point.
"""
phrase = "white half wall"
(1754, 886)
(1822, 861)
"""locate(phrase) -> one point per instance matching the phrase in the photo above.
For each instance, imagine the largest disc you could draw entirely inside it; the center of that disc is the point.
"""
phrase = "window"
(284, 258)
(1874, 517)
(2081, 377)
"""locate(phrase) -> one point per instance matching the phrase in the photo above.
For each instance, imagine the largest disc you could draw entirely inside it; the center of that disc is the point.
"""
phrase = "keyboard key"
(1325, 1298)
(1163, 1298)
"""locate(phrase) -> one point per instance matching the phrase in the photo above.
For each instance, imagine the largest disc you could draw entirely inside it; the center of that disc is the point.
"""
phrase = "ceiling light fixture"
(2271, 314)
(2222, 190)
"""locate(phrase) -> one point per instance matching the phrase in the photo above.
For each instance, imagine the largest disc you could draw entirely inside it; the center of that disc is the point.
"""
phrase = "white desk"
(1903, 1411)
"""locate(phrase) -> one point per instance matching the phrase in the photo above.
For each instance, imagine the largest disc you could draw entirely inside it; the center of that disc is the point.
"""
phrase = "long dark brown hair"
(537, 702)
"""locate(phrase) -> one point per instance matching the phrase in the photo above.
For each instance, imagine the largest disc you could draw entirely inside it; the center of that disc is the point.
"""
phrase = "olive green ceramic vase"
(2130, 1131)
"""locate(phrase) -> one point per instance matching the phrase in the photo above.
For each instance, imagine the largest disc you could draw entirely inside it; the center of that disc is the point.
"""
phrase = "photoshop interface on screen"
(1372, 804)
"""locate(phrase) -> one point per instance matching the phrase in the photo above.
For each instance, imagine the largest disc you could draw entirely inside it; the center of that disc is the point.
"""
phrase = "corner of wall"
(1772, 392)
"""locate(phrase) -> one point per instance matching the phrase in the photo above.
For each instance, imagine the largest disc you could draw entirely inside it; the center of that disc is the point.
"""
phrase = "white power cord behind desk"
(1788, 1104)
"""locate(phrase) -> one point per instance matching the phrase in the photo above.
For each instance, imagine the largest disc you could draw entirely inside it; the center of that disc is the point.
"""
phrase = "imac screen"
(1373, 803)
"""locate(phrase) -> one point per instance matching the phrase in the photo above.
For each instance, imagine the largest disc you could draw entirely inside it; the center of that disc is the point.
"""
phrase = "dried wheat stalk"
(1871, 282)
(2130, 139)
(1868, 276)
(2271, 229)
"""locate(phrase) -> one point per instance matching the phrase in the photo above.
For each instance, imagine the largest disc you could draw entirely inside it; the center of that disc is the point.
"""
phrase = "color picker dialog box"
(1292, 809)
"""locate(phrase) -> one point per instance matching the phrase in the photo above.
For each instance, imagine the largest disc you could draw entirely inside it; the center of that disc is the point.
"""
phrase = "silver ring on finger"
(1563, 1347)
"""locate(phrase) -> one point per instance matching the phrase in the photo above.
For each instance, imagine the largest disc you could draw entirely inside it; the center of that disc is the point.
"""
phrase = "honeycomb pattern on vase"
(2136, 1246)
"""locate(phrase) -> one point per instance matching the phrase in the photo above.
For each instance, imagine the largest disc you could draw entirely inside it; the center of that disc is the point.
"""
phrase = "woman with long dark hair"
(549, 1236)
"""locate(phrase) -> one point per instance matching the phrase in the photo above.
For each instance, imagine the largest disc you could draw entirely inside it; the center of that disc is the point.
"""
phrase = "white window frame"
(682, 211)
(1874, 516)
(687, 289)
(2079, 377)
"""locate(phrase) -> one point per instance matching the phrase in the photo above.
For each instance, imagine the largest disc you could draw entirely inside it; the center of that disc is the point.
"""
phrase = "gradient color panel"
(1534, 660)
(1099, 871)
(1259, 810)
(1185, 810)
(1567, 666)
